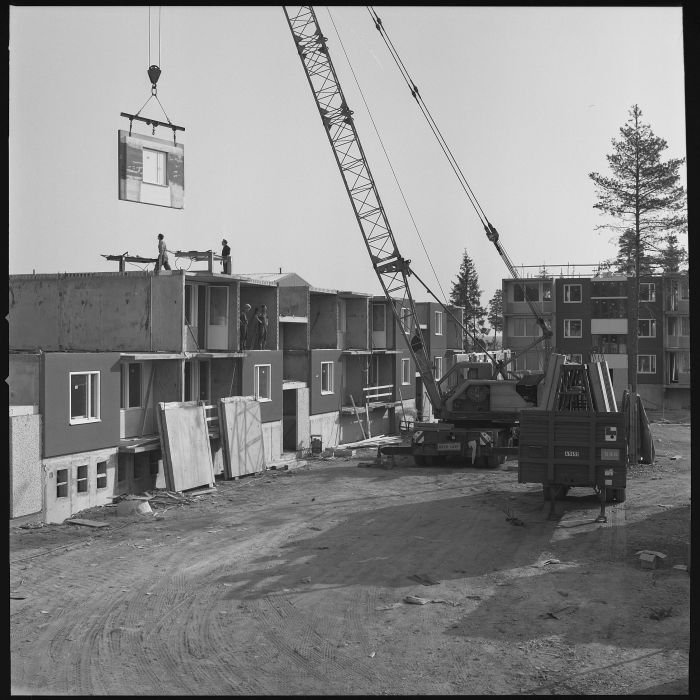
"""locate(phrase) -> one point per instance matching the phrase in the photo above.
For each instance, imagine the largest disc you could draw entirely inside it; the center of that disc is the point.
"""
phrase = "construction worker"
(162, 261)
(243, 328)
(226, 255)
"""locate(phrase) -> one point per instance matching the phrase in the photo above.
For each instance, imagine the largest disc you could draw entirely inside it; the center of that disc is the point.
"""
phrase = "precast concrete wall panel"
(25, 465)
(327, 425)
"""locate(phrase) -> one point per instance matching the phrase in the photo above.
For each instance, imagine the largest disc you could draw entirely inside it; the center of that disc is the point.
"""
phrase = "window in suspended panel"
(155, 164)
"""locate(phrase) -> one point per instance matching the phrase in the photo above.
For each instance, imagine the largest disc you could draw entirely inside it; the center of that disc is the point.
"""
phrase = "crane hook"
(153, 75)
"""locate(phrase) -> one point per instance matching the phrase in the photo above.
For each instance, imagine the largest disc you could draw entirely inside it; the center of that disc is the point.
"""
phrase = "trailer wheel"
(615, 495)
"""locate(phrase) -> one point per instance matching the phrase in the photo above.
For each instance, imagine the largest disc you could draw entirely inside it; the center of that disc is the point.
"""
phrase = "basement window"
(84, 401)
(81, 480)
(326, 377)
(61, 483)
(263, 382)
(102, 475)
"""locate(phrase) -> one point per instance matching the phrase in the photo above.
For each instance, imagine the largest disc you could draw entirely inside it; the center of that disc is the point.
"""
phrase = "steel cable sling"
(491, 232)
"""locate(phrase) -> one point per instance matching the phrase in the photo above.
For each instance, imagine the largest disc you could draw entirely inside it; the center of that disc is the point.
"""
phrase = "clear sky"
(528, 100)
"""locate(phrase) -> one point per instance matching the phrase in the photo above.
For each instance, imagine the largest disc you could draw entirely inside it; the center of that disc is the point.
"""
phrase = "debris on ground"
(424, 579)
(649, 559)
(660, 613)
(510, 517)
(87, 523)
(417, 600)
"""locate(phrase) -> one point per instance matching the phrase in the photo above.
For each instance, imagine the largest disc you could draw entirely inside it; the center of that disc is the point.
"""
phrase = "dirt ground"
(294, 583)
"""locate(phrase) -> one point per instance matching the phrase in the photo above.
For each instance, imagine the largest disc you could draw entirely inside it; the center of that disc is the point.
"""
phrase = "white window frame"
(567, 327)
(652, 363)
(406, 319)
(93, 412)
(405, 371)
(568, 288)
(652, 328)
(651, 291)
(437, 363)
(438, 323)
(158, 175)
(126, 394)
(256, 383)
(329, 377)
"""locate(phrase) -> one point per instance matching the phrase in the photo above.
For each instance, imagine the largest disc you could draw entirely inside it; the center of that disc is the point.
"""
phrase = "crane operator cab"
(468, 388)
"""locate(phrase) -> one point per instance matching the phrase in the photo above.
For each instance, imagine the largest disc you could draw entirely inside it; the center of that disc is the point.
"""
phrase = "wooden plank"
(607, 383)
(88, 523)
(187, 452)
(357, 415)
(241, 429)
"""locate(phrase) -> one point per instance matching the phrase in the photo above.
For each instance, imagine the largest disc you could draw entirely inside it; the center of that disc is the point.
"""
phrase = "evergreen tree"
(466, 293)
(495, 314)
(643, 196)
(673, 257)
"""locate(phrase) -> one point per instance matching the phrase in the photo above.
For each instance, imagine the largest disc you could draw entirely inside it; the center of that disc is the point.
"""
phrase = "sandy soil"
(294, 582)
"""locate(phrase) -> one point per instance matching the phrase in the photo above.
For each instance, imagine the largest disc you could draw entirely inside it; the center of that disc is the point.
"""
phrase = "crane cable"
(410, 213)
(491, 232)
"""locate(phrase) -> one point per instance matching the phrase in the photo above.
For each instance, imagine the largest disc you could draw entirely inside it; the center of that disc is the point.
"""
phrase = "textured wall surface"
(25, 465)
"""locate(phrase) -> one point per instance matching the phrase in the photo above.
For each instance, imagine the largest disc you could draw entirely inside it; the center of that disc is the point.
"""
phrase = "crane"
(475, 415)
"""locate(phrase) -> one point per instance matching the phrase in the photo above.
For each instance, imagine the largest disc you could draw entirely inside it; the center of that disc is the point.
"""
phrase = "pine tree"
(495, 315)
(673, 257)
(643, 196)
(466, 293)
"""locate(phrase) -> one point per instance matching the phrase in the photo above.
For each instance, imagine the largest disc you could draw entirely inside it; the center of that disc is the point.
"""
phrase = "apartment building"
(93, 354)
(589, 317)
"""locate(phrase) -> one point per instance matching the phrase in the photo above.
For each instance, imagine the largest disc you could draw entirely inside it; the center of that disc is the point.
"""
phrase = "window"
(610, 344)
(609, 308)
(155, 167)
(262, 380)
(575, 358)
(646, 364)
(378, 318)
(131, 385)
(61, 483)
(531, 292)
(84, 397)
(405, 371)
(406, 319)
(81, 481)
(647, 328)
(678, 325)
(678, 364)
(218, 306)
(647, 291)
(547, 291)
(102, 475)
(573, 328)
(326, 377)
(438, 323)
(609, 289)
(437, 361)
(572, 293)
(524, 328)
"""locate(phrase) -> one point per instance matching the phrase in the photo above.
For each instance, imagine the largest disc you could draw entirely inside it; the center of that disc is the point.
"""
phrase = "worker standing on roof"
(162, 261)
(226, 255)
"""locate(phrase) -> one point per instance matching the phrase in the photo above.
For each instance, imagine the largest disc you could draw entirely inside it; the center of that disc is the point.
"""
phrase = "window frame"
(161, 167)
(568, 288)
(101, 475)
(652, 363)
(405, 371)
(256, 382)
(652, 327)
(439, 327)
(437, 363)
(567, 327)
(126, 386)
(82, 483)
(92, 416)
(328, 365)
(651, 292)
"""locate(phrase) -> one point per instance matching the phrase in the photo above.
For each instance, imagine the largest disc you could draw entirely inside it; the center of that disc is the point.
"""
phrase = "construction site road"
(333, 578)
